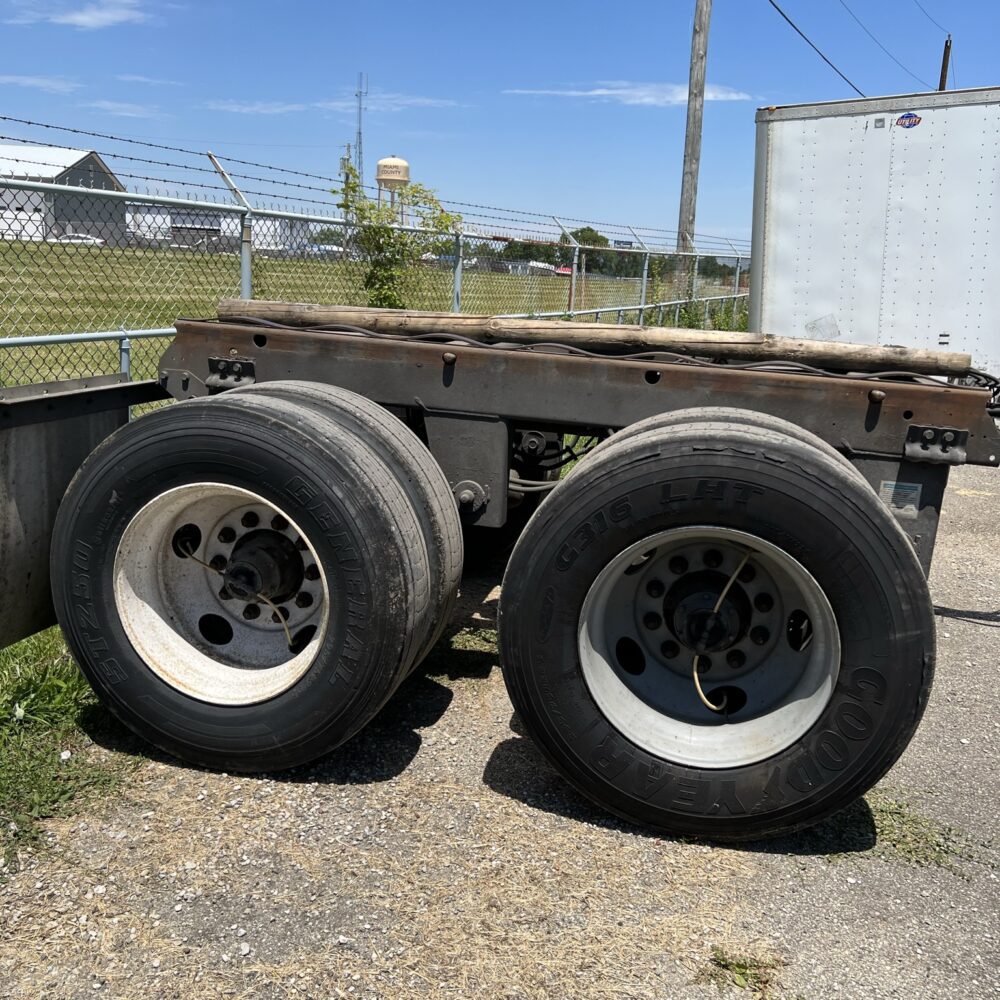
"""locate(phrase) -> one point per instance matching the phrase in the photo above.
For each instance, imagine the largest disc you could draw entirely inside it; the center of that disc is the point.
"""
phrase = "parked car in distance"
(80, 238)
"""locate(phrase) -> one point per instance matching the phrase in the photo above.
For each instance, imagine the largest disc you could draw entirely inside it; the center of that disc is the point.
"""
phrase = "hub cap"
(770, 653)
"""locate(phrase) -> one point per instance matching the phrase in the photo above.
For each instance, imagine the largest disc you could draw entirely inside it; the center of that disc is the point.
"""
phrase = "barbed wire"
(532, 225)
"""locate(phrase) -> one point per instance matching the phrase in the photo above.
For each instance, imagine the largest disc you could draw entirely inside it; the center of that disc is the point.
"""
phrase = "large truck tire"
(417, 470)
(243, 582)
(727, 414)
(747, 559)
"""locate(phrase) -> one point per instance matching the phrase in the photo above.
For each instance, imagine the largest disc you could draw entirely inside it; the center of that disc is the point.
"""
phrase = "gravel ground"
(437, 855)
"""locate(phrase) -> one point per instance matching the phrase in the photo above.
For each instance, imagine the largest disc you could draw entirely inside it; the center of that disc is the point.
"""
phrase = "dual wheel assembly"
(712, 626)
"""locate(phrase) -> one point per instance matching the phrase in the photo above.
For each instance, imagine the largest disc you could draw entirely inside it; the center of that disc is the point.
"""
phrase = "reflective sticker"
(903, 499)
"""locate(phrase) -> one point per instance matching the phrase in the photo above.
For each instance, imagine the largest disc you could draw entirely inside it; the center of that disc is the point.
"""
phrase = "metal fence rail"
(121, 266)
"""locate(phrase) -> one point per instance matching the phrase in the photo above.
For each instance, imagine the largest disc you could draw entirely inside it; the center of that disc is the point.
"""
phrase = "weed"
(45, 765)
(754, 972)
(906, 835)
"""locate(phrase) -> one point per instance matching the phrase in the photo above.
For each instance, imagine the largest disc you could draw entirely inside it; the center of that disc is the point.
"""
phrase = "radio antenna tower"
(359, 158)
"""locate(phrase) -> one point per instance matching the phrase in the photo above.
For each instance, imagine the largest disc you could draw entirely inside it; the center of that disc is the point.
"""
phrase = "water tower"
(391, 174)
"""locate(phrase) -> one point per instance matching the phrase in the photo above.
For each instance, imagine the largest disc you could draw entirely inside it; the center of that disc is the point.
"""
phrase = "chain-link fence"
(86, 256)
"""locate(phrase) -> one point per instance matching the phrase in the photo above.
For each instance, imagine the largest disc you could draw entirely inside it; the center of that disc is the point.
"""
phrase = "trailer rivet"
(233, 352)
(928, 435)
(876, 396)
(449, 358)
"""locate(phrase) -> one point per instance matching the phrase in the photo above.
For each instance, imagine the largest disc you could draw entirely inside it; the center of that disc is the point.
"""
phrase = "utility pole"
(945, 59)
(692, 134)
(359, 157)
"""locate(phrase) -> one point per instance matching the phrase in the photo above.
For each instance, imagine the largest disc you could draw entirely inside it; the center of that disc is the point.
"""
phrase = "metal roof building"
(38, 215)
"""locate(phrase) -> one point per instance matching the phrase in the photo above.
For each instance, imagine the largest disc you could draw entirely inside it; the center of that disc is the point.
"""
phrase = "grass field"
(47, 288)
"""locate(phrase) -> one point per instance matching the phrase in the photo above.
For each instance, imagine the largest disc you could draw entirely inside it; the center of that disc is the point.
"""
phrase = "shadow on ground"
(518, 770)
(991, 619)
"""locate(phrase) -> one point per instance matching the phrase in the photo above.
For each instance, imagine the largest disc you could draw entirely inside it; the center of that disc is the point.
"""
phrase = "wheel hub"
(689, 611)
(264, 562)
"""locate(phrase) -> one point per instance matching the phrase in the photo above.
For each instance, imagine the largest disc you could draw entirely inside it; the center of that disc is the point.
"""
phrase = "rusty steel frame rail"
(859, 416)
(469, 402)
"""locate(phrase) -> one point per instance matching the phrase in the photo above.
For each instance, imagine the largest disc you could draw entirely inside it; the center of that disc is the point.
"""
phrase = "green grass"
(904, 834)
(47, 765)
(51, 288)
(755, 973)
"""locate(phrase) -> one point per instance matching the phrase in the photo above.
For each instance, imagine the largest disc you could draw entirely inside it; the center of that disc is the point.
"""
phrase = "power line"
(929, 18)
(815, 49)
(861, 25)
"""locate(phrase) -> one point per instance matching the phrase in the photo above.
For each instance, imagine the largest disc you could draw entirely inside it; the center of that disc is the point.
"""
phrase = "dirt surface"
(438, 855)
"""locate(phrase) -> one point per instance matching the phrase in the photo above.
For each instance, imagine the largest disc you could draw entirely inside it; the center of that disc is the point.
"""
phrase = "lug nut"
(250, 519)
(251, 611)
(466, 497)
(713, 558)
(652, 620)
(678, 565)
(227, 535)
(218, 563)
(669, 649)
(311, 572)
(736, 658)
(747, 574)
(278, 523)
(704, 664)
(759, 635)
(224, 594)
(763, 602)
(283, 612)
(303, 599)
(654, 588)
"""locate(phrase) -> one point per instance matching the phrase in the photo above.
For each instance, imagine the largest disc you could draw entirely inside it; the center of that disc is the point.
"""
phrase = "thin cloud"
(376, 103)
(387, 102)
(50, 84)
(123, 109)
(256, 107)
(89, 17)
(151, 81)
(651, 95)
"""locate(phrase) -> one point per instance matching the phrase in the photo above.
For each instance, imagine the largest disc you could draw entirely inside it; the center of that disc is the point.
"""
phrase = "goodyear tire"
(775, 565)
(239, 593)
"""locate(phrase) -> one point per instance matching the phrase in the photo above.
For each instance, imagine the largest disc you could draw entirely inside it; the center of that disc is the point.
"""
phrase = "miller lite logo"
(909, 120)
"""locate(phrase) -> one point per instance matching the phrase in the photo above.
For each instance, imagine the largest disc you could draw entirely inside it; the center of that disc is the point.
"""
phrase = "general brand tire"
(416, 469)
(614, 707)
(168, 641)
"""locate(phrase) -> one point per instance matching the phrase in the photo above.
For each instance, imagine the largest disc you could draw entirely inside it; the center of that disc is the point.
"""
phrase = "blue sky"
(574, 108)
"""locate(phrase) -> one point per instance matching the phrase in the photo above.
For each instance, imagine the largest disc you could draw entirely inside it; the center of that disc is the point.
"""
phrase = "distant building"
(51, 215)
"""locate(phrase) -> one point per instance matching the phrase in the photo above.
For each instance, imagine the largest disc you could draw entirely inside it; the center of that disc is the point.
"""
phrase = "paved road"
(437, 855)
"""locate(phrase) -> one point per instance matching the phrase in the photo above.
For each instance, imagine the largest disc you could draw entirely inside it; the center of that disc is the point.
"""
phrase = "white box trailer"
(877, 221)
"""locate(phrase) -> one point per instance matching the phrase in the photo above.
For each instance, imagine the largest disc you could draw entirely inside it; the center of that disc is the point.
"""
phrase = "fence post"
(246, 231)
(736, 280)
(645, 275)
(576, 259)
(694, 277)
(246, 257)
(456, 291)
(125, 356)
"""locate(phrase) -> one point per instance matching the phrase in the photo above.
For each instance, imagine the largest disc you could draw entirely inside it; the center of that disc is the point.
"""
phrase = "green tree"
(388, 250)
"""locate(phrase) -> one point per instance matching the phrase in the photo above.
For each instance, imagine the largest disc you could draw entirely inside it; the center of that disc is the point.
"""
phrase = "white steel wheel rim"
(174, 609)
(653, 701)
